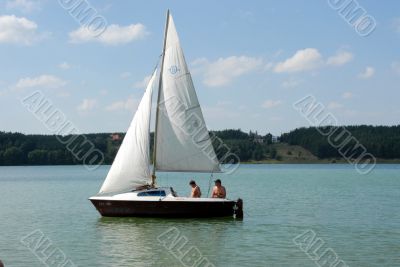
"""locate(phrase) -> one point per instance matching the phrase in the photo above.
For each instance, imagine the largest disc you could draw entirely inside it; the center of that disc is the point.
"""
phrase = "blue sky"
(250, 61)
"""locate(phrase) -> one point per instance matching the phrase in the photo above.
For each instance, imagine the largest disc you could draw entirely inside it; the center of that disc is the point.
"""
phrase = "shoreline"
(318, 161)
(268, 161)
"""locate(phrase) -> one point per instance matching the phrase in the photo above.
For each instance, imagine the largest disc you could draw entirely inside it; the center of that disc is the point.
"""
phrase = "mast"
(153, 176)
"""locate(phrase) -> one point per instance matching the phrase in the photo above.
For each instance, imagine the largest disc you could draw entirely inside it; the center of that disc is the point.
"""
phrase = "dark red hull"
(184, 209)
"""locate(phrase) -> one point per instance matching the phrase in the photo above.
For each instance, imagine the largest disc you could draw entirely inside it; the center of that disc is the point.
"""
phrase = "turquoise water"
(356, 216)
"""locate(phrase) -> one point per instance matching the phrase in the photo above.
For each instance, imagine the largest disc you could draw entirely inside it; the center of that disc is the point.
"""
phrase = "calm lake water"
(356, 216)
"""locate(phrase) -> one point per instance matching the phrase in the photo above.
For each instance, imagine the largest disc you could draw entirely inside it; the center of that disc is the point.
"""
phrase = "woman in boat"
(195, 189)
(219, 191)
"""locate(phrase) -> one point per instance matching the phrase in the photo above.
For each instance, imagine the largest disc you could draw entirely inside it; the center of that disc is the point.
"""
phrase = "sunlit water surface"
(357, 216)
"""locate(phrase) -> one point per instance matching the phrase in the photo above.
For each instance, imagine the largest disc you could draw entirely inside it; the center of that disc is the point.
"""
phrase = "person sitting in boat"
(219, 191)
(195, 189)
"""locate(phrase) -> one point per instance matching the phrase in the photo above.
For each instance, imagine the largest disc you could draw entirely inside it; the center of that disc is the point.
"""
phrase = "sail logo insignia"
(174, 69)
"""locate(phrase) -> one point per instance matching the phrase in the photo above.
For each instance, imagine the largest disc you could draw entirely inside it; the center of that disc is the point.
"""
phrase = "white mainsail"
(183, 142)
(131, 166)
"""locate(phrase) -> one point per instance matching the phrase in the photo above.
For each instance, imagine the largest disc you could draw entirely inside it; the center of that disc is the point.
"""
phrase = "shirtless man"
(195, 189)
(219, 191)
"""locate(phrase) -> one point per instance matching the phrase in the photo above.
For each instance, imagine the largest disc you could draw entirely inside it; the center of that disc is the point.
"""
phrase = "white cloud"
(268, 66)
(25, 6)
(18, 30)
(396, 67)
(271, 103)
(64, 65)
(278, 53)
(341, 58)
(113, 35)
(334, 105)
(224, 70)
(130, 104)
(347, 95)
(291, 83)
(45, 81)
(303, 60)
(367, 73)
(87, 104)
(143, 83)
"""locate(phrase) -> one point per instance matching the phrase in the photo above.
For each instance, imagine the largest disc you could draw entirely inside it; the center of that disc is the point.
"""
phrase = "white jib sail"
(131, 166)
(183, 142)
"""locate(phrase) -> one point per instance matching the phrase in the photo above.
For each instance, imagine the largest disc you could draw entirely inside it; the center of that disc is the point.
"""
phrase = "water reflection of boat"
(134, 241)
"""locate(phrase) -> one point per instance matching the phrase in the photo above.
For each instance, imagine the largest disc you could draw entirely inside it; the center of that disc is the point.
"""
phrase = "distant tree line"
(381, 141)
(21, 149)
(246, 146)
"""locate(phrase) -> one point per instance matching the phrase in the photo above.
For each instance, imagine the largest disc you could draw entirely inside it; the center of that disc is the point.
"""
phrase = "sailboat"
(181, 144)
